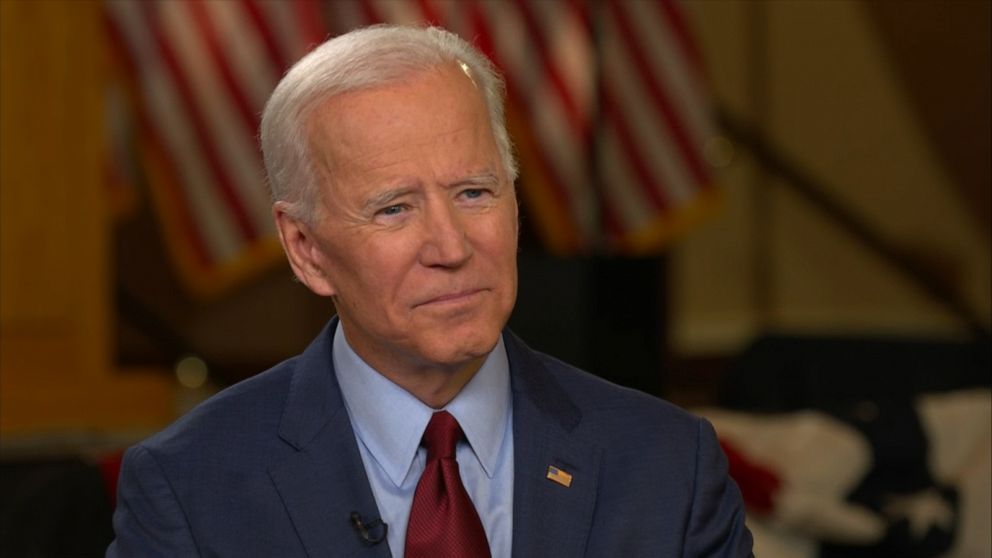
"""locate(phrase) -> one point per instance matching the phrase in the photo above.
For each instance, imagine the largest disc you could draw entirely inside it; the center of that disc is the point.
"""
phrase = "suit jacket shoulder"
(267, 467)
(244, 410)
(644, 477)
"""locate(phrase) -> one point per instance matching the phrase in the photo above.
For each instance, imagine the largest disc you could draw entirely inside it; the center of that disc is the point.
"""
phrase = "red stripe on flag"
(483, 37)
(650, 79)
(612, 222)
(261, 25)
(580, 7)
(648, 182)
(206, 144)
(372, 15)
(683, 36)
(690, 52)
(309, 20)
(576, 118)
(430, 13)
(204, 25)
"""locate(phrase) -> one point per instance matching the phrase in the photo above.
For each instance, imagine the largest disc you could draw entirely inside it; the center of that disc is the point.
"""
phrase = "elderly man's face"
(416, 234)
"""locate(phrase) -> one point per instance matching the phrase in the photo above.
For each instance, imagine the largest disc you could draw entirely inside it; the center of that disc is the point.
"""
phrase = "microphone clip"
(373, 532)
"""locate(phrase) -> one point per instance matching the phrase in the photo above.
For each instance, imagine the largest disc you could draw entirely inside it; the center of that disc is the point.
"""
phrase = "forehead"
(426, 106)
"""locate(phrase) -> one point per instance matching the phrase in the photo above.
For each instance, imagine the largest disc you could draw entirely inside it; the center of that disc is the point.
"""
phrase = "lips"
(451, 298)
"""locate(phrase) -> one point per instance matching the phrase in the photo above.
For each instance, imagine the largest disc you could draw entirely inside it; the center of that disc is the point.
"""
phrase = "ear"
(302, 250)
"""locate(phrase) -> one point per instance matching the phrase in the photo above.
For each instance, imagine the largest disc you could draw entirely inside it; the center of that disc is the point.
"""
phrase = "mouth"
(455, 298)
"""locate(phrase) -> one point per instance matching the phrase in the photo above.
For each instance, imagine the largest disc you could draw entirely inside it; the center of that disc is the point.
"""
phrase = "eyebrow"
(387, 197)
(483, 178)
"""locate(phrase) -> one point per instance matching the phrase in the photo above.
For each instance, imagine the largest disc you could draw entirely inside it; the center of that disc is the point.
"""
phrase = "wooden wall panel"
(832, 101)
(56, 372)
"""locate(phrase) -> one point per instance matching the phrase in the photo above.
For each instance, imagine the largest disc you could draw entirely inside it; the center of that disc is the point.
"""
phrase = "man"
(392, 176)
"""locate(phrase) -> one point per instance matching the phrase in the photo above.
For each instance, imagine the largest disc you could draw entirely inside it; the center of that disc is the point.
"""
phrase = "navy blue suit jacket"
(270, 467)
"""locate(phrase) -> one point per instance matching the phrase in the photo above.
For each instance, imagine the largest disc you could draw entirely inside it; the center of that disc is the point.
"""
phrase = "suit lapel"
(324, 481)
(549, 519)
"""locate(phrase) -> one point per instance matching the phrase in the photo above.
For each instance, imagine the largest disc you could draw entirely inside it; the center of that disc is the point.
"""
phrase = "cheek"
(505, 236)
(369, 292)
(380, 272)
(501, 254)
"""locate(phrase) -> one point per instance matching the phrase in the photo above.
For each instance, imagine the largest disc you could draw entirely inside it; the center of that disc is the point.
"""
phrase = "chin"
(457, 348)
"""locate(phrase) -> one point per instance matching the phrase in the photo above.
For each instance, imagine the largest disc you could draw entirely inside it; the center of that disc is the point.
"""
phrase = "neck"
(437, 387)
(435, 384)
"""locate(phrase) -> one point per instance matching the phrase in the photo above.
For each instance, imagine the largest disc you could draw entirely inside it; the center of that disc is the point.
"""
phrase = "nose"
(446, 243)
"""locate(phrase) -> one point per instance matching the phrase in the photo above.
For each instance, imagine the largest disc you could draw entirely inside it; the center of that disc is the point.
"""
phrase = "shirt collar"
(390, 421)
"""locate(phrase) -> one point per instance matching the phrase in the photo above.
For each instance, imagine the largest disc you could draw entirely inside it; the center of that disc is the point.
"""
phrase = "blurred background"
(775, 213)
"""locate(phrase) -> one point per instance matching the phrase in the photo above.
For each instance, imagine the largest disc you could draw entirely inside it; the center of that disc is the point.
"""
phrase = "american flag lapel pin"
(557, 475)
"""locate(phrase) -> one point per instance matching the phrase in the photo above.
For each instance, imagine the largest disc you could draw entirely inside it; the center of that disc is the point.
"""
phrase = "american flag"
(200, 73)
(656, 118)
(557, 475)
(606, 104)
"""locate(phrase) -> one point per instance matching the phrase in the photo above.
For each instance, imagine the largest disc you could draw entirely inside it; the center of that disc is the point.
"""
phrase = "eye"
(392, 210)
(473, 193)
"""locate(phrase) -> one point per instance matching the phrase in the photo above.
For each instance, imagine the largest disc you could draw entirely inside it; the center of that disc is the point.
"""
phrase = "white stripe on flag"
(245, 52)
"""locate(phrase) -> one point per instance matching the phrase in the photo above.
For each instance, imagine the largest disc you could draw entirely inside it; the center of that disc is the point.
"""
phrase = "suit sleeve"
(148, 521)
(716, 521)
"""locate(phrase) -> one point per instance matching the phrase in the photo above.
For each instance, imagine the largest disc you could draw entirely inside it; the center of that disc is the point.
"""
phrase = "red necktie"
(443, 521)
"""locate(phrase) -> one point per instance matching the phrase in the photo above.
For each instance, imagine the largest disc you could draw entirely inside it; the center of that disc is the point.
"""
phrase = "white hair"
(361, 59)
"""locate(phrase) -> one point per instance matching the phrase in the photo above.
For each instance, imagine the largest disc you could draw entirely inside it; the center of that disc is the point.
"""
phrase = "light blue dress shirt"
(389, 423)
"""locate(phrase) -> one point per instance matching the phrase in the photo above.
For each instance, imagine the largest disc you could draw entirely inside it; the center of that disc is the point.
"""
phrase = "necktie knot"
(441, 436)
